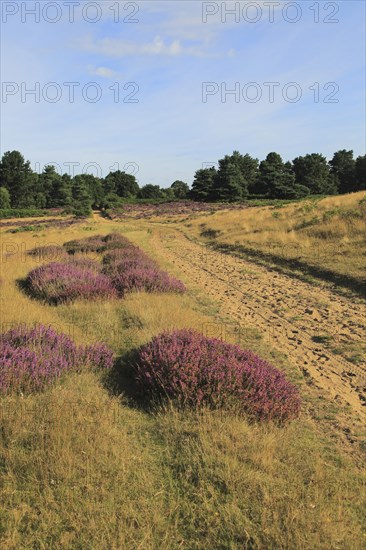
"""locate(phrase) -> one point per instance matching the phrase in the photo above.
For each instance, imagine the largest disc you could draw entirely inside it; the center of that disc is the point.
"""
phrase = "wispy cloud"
(115, 47)
(103, 72)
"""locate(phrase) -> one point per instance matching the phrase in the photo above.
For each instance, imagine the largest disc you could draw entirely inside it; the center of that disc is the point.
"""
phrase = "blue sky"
(169, 132)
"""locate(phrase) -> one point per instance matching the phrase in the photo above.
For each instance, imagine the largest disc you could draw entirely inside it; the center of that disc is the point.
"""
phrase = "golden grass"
(86, 469)
(326, 233)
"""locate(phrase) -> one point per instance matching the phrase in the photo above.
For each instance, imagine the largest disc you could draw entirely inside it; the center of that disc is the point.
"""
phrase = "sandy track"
(289, 313)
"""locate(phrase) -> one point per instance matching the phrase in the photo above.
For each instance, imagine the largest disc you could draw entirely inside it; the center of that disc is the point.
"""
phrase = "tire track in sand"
(288, 311)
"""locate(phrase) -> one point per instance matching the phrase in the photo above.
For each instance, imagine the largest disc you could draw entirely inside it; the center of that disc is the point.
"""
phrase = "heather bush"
(116, 238)
(130, 269)
(64, 282)
(96, 243)
(85, 263)
(124, 268)
(195, 370)
(117, 262)
(89, 244)
(51, 252)
(150, 279)
(174, 208)
(33, 358)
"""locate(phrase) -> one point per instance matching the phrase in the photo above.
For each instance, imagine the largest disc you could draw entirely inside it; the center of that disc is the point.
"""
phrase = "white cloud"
(104, 72)
(115, 47)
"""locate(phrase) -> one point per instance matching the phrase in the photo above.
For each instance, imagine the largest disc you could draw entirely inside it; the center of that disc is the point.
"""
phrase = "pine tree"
(81, 199)
(202, 187)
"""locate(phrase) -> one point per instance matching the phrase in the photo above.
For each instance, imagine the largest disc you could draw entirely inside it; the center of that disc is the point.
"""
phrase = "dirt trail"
(289, 313)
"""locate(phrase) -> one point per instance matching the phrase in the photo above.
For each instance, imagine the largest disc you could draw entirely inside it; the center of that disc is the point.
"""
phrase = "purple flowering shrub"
(138, 278)
(120, 257)
(172, 208)
(51, 252)
(124, 268)
(96, 243)
(64, 282)
(85, 263)
(33, 358)
(89, 244)
(130, 269)
(195, 370)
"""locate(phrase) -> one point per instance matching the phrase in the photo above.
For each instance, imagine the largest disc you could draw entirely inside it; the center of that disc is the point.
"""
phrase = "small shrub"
(322, 338)
(210, 233)
(124, 268)
(130, 270)
(96, 243)
(58, 283)
(26, 228)
(48, 253)
(22, 213)
(195, 370)
(85, 263)
(90, 244)
(307, 223)
(33, 358)
(136, 277)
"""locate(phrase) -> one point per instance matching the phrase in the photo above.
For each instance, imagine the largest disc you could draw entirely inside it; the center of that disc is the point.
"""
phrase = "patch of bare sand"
(296, 317)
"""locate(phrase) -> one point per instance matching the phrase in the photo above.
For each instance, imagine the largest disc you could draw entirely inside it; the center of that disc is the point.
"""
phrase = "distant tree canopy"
(124, 185)
(180, 189)
(343, 168)
(150, 191)
(313, 172)
(17, 177)
(237, 177)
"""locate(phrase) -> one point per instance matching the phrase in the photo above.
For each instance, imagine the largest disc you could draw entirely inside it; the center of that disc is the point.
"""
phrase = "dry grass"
(326, 233)
(85, 468)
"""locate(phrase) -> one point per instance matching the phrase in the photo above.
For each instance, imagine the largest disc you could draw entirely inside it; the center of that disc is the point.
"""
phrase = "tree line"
(237, 177)
(21, 187)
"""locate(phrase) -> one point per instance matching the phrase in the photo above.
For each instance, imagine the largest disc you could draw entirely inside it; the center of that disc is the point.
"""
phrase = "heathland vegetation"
(142, 404)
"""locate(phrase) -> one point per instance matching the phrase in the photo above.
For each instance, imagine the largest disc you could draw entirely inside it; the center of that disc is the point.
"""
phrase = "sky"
(161, 89)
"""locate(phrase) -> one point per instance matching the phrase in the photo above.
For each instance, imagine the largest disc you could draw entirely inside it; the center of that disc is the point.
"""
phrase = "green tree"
(202, 187)
(94, 187)
(111, 201)
(167, 193)
(312, 171)
(47, 183)
(229, 183)
(236, 173)
(180, 189)
(277, 180)
(343, 168)
(249, 167)
(61, 192)
(150, 191)
(4, 198)
(18, 178)
(124, 185)
(360, 170)
(82, 202)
